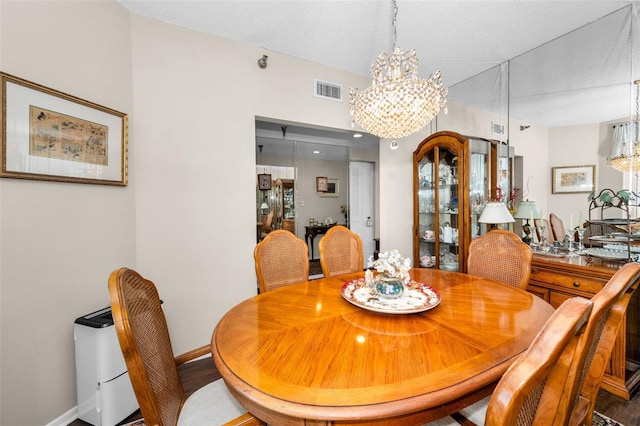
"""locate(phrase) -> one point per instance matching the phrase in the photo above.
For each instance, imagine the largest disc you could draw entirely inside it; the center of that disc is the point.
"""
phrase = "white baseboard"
(66, 418)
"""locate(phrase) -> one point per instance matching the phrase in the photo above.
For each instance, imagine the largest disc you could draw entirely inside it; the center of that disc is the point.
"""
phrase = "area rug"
(602, 420)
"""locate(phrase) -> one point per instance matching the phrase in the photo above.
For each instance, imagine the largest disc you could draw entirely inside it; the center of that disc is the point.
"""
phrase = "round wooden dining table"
(305, 355)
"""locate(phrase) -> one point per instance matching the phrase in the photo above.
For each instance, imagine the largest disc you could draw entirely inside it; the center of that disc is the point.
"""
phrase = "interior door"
(362, 204)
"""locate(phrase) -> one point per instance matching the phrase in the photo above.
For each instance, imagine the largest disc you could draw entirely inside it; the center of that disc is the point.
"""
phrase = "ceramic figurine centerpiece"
(393, 274)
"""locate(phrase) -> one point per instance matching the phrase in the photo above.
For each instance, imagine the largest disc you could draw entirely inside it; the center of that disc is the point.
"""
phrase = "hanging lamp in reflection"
(628, 157)
(398, 103)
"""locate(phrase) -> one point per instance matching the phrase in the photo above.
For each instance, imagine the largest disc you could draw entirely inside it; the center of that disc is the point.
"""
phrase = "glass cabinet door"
(438, 209)
(479, 181)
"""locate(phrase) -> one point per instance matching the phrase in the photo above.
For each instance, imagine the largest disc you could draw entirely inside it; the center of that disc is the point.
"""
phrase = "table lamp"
(495, 213)
(527, 210)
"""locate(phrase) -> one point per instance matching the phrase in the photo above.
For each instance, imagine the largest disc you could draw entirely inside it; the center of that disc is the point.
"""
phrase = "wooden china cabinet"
(453, 176)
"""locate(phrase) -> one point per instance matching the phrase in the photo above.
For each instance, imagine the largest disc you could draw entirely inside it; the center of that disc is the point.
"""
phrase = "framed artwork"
(264, 181)
(573, 179)
(50, 135)
(333, 188)
(322, 184)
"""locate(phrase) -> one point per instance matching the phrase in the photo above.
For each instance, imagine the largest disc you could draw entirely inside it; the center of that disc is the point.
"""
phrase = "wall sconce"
(262, 62)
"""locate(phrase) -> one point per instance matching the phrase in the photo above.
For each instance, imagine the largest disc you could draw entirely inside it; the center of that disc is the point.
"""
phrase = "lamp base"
(526, 228)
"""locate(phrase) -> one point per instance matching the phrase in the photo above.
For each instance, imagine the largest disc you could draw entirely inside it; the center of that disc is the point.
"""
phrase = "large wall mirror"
(557, 104)
(294, 155)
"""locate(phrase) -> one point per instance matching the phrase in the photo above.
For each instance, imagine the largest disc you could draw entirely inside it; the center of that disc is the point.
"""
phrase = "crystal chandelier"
(398, 103)
(629, 159)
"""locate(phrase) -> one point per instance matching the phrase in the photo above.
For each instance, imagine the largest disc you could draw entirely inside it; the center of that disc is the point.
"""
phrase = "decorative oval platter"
(417, 297)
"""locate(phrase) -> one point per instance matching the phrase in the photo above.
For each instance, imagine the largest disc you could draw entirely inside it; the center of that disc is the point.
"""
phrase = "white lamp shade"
(496, 212)
(527, 210)
(264, 206)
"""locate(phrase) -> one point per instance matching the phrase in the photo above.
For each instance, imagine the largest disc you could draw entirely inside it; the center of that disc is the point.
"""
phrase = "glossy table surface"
(302, 354)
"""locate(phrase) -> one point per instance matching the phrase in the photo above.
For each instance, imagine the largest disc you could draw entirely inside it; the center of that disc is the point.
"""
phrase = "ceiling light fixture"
(628, 160)
(398, 103)
(357, 135)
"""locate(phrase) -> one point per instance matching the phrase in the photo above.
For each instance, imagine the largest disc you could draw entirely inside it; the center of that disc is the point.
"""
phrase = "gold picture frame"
(322, 184)
(573, 179)
(53, 136)
(264, 181)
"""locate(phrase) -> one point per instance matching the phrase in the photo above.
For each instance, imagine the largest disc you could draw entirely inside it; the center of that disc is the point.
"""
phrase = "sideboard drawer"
(568, 282)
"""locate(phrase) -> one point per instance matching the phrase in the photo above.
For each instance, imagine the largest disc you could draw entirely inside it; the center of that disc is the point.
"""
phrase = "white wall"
(196, 99)
(59, 241)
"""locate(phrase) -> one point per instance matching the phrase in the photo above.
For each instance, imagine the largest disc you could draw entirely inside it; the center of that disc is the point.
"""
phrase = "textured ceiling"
(460, 38)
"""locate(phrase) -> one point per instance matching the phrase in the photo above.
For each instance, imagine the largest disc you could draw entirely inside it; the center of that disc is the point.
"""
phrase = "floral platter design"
(417, 297)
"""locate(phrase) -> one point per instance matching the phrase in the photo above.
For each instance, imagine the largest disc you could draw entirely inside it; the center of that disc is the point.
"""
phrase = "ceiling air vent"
(497, 129)
(324, 89)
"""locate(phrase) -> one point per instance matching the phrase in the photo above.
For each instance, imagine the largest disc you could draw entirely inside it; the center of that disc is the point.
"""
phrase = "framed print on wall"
(573, 179)
(333, 188)
(264, 181)
(322, 183)
(50, 135)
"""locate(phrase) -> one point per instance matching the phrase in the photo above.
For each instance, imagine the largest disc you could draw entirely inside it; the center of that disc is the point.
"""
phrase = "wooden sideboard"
(557, 279)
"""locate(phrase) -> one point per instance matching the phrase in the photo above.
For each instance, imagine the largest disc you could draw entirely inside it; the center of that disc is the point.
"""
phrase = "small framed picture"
(333, 188)
(322, 184)
(264, 181)
(573, 179)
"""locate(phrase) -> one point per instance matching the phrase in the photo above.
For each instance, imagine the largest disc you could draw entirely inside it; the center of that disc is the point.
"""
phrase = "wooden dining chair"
(502, 256)
(557, 227)
(609, 308)
(575, 404)
(547, 230)
(340, 252)
(153, 370)
(281, 259)
(529, 391)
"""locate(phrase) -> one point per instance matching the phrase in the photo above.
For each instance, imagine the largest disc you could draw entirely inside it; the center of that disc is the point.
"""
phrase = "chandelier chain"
(394, 22)
(637, 126)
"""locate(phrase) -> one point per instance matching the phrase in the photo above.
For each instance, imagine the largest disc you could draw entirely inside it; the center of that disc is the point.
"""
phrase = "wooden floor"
(198, 373)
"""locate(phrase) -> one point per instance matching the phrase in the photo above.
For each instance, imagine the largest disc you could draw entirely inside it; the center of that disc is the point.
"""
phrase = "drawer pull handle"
(576, 284)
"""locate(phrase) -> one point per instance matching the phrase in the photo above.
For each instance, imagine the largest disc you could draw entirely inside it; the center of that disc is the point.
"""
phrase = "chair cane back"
(281, 259)
(609, 308)
(144, 339)
(547, 230)
(340, 252)
(557, 227)
(502, 256)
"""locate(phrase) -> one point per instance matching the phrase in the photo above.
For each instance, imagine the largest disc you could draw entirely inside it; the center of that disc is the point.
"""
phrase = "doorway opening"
(293, 156)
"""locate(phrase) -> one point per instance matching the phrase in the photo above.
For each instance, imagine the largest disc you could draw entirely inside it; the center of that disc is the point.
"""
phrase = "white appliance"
(105, 395)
